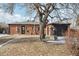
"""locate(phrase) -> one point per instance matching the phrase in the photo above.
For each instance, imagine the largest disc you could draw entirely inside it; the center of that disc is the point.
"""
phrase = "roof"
(60, 23)
(25, 23)
(36, 23)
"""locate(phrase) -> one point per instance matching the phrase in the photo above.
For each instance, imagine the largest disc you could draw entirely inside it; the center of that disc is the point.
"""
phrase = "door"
(23, 29)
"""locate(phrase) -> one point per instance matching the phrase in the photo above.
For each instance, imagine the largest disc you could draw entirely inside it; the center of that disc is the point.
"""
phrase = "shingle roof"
(25, 23)
(60, 23)
(34, 23)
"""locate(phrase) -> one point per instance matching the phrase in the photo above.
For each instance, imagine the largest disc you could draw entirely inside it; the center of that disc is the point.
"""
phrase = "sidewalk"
(24, 36)
(4, 35)
(60, 40)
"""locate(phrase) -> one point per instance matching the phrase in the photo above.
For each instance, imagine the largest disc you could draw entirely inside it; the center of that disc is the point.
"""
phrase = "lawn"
(32, 47)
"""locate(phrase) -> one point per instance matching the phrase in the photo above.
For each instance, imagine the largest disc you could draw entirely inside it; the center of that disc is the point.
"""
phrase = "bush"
(72, 42)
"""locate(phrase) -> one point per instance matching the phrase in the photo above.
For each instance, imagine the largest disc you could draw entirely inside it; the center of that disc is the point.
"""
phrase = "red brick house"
(32, 28)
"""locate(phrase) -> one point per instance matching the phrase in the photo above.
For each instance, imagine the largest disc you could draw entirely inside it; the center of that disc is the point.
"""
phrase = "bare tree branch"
(10, 8)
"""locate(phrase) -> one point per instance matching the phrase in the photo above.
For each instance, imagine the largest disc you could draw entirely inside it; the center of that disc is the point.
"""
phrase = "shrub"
(72, 42)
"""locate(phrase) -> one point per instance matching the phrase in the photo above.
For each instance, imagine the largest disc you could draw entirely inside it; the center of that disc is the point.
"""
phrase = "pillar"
(49, 30)
(68, 34)
(46, 31)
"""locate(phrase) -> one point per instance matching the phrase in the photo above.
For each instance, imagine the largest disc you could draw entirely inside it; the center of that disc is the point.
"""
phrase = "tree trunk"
(42, 35)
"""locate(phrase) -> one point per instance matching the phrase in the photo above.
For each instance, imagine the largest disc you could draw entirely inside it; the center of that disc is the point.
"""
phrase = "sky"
(19, 10)
(22, 11)
(20, 15)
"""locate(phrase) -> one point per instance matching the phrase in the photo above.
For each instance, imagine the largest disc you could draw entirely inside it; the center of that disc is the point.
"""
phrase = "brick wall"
(12, 29)
(29, 29)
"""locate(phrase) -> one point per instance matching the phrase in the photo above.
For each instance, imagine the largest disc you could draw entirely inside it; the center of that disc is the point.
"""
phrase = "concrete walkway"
(57, 42)
(24, 36)
(60, 40)
(4, 35)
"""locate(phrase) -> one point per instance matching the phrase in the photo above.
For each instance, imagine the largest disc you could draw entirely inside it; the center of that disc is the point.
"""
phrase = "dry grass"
(72, 42)
(32, 47)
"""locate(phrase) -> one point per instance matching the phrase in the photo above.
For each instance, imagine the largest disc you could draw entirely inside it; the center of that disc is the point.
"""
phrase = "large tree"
(43, 11)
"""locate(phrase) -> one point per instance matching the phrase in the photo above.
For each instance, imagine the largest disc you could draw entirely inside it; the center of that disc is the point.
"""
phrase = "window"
(38, 28)
(32, 27)
(17, 29)
(23, 29)
(26, 28)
